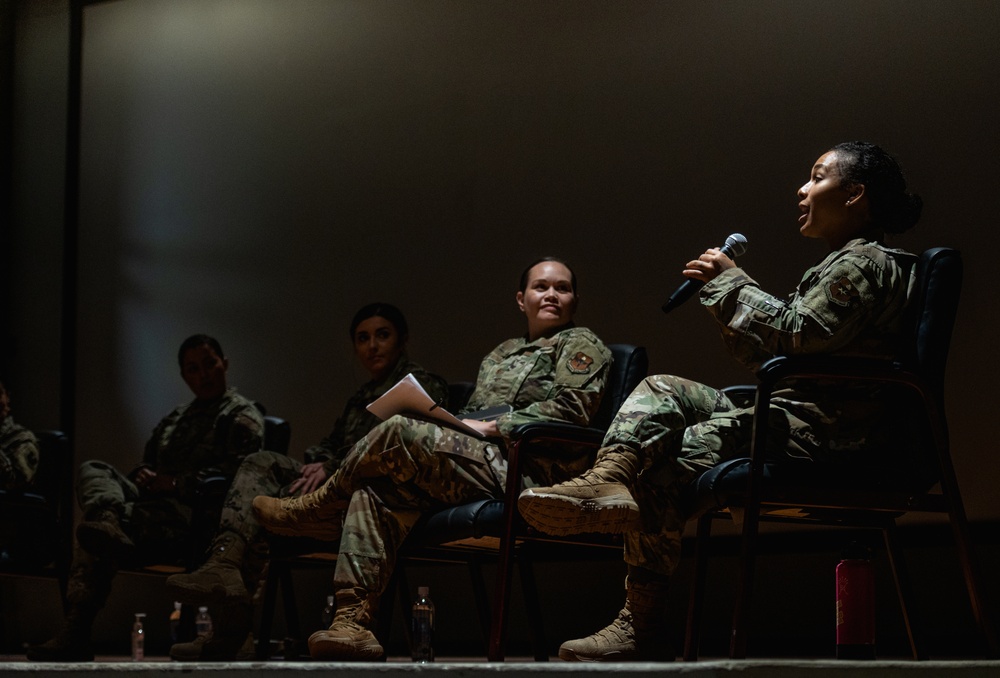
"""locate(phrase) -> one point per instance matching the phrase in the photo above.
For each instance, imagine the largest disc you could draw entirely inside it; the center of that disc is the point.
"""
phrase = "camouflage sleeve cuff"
(505, 425)
(716, 290)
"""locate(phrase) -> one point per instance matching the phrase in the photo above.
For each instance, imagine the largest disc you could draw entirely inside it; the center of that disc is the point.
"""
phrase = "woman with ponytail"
(670, 430)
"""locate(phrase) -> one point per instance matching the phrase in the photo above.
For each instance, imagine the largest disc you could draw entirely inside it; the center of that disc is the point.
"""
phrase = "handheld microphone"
(735, 246)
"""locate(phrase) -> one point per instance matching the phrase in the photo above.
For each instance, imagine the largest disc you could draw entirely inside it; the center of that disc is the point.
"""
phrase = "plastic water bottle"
(856, 604)
(203, 623)
(328, 612)
(175, 622)
(423, 626)
(138, 638)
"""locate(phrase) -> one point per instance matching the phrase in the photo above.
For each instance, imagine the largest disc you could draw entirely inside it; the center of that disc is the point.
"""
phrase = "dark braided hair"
(892, 209)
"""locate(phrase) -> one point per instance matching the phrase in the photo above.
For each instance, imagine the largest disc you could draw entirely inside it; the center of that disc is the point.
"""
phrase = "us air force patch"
(842, 291)
(580, 363)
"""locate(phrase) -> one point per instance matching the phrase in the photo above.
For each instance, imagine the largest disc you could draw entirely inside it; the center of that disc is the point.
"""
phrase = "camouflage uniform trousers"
(159, 527)
(261, 473)
(680, 429)
(401, 469)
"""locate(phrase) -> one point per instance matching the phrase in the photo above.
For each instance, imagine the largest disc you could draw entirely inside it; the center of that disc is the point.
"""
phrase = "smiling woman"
(548, 296)
(404, 466)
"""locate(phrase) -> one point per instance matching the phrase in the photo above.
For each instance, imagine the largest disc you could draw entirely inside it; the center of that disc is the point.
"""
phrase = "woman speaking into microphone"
(670, 430)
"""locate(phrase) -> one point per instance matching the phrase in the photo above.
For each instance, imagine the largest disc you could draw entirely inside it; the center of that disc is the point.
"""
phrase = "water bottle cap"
(423, 590)
(140, 614)
(177, 605)
(202, 609)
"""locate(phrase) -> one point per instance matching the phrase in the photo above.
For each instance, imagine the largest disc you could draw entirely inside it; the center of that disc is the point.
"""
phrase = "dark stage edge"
(750, 668)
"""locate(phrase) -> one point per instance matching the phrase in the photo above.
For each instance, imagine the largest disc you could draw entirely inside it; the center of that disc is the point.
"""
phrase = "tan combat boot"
(638, 634)
(597, 501)
(101, 534)
(229, 640)
(319, 514)
(348, 638)
(219, 580)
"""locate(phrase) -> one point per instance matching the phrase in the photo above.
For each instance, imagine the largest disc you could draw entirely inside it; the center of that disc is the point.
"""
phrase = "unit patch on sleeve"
(842, 291)
(580, 363)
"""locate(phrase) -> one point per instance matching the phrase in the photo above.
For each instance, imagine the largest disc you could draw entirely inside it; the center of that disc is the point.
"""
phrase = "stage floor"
(14, 665)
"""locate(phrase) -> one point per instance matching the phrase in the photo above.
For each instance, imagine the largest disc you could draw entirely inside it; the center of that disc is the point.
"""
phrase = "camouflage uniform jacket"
(204, 437)
(18, 455)
(356, 421)
(851, 303)
(560, 378)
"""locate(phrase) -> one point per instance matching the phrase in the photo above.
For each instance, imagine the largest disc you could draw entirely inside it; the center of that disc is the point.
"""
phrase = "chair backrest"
(277, 434)
(629, 367)
(933, 309)
(458, 395)
(931, 320)
(55, 467)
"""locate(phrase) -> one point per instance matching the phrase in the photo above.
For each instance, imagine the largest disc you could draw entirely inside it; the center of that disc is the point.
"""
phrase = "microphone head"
(737, 244)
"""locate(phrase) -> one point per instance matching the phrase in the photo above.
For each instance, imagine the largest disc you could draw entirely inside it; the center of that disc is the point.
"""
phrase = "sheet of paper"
(410, 399)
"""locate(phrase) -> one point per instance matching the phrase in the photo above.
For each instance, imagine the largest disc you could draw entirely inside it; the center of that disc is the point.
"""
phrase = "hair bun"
(906, 213)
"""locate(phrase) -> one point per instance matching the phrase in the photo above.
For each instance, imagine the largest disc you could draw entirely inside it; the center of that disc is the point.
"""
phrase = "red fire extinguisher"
(856, 604)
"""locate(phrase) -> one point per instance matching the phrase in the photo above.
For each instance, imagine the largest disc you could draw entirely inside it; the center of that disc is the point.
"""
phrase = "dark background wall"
(258, 170)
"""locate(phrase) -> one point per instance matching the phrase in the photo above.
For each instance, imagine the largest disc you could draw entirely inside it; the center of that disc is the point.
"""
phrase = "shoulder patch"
(580, 363)
(842, 291)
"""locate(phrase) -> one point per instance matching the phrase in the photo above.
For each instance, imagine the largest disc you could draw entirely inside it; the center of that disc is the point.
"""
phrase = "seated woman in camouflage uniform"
(147, 514)
(18, 449)
(557, 372)
(228, 578)
(672, 429)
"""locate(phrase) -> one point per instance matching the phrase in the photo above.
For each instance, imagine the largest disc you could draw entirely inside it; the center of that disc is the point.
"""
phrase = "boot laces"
(296, 504)
(351, 617)
(619, 631)
(593, 476)
(312, 507)
(346, 624)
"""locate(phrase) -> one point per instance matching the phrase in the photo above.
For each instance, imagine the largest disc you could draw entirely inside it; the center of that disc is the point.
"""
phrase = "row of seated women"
(371, 481)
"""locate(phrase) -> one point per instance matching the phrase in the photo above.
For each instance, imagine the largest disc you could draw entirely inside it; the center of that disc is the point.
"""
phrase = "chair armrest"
(212, 486)
(542, 431)
(556, 432)
(741, 395)
(840, 368)
(846, 369)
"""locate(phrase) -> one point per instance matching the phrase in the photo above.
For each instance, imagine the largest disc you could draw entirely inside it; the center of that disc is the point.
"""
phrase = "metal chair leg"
(904, 590)
(696, 600)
